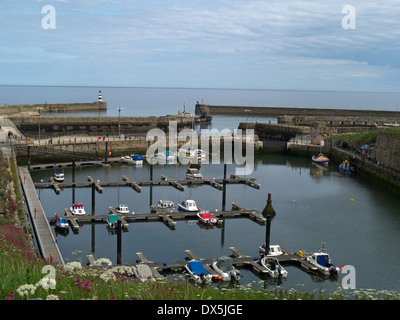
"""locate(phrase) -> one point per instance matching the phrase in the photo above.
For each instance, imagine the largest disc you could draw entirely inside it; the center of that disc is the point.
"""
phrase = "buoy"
(351, 199)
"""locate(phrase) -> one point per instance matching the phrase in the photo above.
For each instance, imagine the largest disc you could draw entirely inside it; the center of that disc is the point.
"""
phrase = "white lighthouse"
(100, 99)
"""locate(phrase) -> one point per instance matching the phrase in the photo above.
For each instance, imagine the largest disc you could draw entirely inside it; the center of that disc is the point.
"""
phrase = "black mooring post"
(119, 244)
(151, 172)
(29, 158)
(73, 170)
(224, 189)
(267, 234)
(93, 198)
(106, 151)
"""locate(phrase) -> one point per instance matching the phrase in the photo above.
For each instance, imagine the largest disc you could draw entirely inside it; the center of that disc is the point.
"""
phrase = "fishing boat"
(345, 167)
(59, 176)
(274, 250)
(197, 271)
(273, 267)
(203, 119)
(78, 209)
(166, 206)
(322, 261)
(206, 218)
(112, 221)
(225, 269)
(321, 159)
(122, 208)
(193, 174)
(188, 206)
(137, 159)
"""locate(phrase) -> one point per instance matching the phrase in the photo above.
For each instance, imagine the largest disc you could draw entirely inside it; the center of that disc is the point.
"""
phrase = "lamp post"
(39, 108)
(119, 122)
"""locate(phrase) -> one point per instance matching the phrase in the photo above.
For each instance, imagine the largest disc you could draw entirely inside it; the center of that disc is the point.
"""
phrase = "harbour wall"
(104, 125)
(294, 111)
(53, 107)
(387, 150)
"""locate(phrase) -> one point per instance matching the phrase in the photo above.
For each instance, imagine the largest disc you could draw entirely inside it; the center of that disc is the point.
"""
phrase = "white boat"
(322, 261)
(162, 158)
(78, 209)
(200, 154)
(275, 270)
(112, 220)
(225, 269)
(59, 176)
(166, 206)
(188, 206)
(198, 272)
(274, 250)
(207, 218)
(193, 174)
(137, 159)
(122, 208)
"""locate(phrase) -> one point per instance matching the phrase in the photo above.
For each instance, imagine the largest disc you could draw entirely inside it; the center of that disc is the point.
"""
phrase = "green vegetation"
(361, 138)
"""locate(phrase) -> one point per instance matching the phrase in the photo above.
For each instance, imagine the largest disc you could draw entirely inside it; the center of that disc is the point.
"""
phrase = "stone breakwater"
(105, 125)
(53, 107)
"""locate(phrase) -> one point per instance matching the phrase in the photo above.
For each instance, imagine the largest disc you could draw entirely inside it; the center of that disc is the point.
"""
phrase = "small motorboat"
(275, 270)
(162, 158)
(122, 208)
(166, 206)
(322, 261)
(205, 217)
(321, 159)
(127, 159)
(112, 221)
(188, 206)
(274, 250)
(59, 176)
(200, 154)
(225, 269)
(203, 119)
(345, 167)
(60, 223)
(78, 209)
(137, 159)
(193, 174)
(197, 271)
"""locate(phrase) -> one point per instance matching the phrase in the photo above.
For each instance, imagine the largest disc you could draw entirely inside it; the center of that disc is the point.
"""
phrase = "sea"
(358, 221)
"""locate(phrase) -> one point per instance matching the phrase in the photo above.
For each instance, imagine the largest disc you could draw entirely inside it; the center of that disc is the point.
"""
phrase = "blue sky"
(276, 44)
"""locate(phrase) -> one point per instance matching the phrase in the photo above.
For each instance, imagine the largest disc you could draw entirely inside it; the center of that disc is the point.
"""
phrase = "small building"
(317, 138)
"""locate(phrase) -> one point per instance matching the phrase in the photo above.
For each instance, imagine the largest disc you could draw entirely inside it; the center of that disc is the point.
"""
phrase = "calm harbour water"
(312, 205)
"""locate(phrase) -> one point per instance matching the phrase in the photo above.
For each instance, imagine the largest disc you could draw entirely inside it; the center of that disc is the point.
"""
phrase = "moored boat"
(203, 119)
(205, 217)
(122, 208)
(188, 206)
(225, 269)
(60, 223)
(166, 206)
(273, 267)
(193, 174)
(274, 250)
(112, 221)
(322, 261)
(321, 159)
(137, 159)
(59, 176)
(197, 271)
(78, 209)
(346, 167)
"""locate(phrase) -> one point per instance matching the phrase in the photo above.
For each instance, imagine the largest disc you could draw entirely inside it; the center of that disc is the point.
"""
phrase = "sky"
(243, 44)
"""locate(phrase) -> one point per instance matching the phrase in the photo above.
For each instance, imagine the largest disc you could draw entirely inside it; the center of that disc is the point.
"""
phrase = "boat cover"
(197, 268)
(113, 218)
(224, 263)
(137, 157)
(206, 215)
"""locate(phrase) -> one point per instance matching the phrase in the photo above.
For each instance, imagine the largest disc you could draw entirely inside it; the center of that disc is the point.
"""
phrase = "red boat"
(206, 218)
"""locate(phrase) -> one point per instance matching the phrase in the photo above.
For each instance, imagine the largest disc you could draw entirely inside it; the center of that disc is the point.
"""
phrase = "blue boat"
(198, 272)
(345, 167)
(137, 158)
